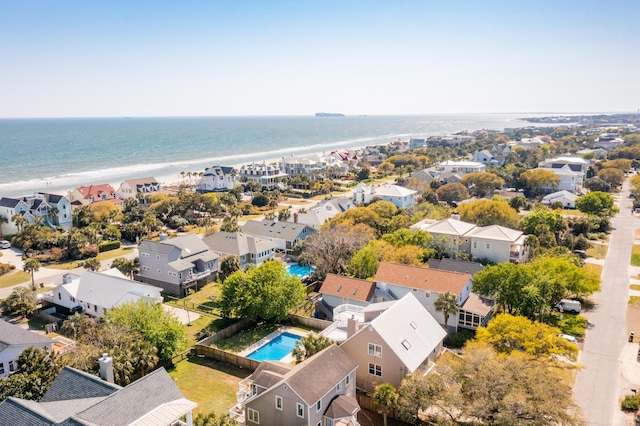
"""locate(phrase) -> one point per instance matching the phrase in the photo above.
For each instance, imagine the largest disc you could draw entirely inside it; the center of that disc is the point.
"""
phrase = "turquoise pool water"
(299, 270)
(276, 349)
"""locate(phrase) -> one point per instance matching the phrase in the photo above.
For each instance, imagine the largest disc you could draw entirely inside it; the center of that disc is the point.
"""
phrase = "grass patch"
(593, 268)
(634, 301)
(574, 325)
(213, 385)
(15, 279)
(205, 326)
(105, 255)
(635, 287)
(599, 251)
(635, 255)
(247, 337)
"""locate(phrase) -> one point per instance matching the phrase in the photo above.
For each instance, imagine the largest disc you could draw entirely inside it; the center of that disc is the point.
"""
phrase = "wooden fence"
(310, 322)
(228, 357)
(225, 332)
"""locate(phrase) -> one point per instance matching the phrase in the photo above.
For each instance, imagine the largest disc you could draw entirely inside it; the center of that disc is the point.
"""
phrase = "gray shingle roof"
(19, 412)
(274, 229)
(13, 335)
(342, 406)
(8, 202)
(75, 384)
(237, 243)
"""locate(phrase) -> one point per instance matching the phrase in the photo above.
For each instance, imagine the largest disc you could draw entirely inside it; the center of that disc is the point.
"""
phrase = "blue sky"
(199, 58)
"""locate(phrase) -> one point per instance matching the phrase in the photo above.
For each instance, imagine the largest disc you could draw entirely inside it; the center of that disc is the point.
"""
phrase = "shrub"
(91, 250)
(630, 403)
(5, 267)
(458, 339)
(109, 245)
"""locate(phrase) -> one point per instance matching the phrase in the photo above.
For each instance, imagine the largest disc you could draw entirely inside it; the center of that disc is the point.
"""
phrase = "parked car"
(568, 305)
(4, 244)
(568, 337)
(581, 253)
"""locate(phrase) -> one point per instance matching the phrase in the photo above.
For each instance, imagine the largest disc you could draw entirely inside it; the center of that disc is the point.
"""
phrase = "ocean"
(55, 155)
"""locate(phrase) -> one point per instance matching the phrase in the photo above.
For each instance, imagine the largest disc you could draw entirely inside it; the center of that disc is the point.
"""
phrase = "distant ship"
(329, 114)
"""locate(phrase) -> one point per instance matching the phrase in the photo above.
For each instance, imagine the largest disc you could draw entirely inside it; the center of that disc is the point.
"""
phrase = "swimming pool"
(299, 270)
(276, 349)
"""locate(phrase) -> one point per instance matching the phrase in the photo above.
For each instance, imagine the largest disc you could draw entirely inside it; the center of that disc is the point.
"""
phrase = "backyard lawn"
(213, 385)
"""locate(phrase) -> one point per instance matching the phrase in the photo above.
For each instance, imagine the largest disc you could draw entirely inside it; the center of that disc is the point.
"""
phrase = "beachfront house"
(87, 195)
(95, 293)
(267, 175)
(249, 250)
(53, 210)
(217, 178)
(318, 391)
(79, 398)
(394, 339)
(313, 165)
(177, 264)
(373, 156)
(283, 234)
(14, 340)
(138, 188)
(401, 197)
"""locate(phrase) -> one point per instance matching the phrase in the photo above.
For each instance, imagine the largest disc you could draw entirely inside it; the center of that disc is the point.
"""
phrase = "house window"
(73, 299)
(318, 405)
(300, 410)
(375, 350)
(346, 380)
(329, 422)
(1, 368)
(475, 244)
(59, 296)
(145, 254)
(338, 387)
(95, 308)
(146, 268)
(254, 415)
(375, 370)
(278, 402)
(488, 246)
(12, 366)
(157, 257)
(406, 344)
(159, 271)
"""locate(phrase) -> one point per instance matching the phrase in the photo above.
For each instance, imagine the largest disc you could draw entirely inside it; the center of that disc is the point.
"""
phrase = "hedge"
(109, 245)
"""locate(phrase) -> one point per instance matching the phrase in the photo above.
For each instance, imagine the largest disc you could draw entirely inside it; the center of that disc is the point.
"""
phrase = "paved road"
(598, 384)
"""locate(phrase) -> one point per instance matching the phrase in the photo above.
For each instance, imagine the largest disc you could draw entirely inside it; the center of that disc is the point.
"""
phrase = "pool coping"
(269, 337)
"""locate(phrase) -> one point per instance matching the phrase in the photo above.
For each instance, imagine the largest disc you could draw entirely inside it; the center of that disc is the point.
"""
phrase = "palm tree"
(447, 303)
(32, 265)
(147, 357)
(92, 264)
(53, 213)
(385, 397)
(127, 266)
(74, 323)
(19, 220)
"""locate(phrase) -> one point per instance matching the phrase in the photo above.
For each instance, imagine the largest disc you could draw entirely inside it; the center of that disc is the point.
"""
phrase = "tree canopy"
(482, 183)
(266, 292)
(37, 368)
(597, 203)
(452, 193)
(489, 212)
(535, 179)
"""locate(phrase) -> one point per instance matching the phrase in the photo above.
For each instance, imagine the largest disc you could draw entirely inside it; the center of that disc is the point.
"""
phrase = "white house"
(138, 188)
(575, 164)
(54, 210)
(217, 178)
(568, 199)
(98, 292)
(449, 233)
(267, 175)
(462, 166)
(317, 215)
(570, 180)
(401, 197)
(311, 165)
(498, 244)
(14, 340)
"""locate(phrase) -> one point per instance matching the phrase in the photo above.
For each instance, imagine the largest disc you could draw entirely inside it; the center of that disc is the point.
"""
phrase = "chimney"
(455, 215)
(352, 324)
(106, 368)
(163, 236)
(66, 279)
(295, 217)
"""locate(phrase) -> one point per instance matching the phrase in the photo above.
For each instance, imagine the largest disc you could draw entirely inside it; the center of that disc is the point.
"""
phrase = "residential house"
(398, 147)
(450, 140)
(87, 195)
(529, 143)
(138, 188)
(13, 341)
(98, 292)
(79, 398)
(339, 290)
(268, 175)
(462, 166)
(569, 180)
(402, 197)
(283, 234)
(59, 209)
(217, 178)
(373, 156)
(394, 281)
(10, 207)
(349, 157)
(417, 143)
(396, 338)
(498, 244)
(608, 141)
(487, 158)
(249, 250)
(51, 209)
(448, 233)
(317, 215)
(177, 264)
(318, 391)
(313, 165)
(598, 153)
(453, 265)
(568, 199)
(575, 164)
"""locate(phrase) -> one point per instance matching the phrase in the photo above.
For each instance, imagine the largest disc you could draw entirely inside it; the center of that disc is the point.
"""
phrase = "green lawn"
(213, 385)
(13, 279)
(635, 255)
(599, 251)
(635, 287)
(634, 300)
(247, 337)
(593, 267)
(101, 257)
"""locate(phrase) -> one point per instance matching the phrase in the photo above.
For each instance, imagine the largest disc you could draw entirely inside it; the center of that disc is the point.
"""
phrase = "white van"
(568, 305)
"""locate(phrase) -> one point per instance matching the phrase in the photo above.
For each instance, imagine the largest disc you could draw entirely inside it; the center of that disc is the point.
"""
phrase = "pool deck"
(269, 338)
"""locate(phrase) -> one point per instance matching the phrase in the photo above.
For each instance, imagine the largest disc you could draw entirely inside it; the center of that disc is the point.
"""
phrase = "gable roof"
(352, 288)
(342, 406)
(275, 229)
(11, 334)
(95, 190)
(237, 243)
(452, 265)
(72, 384)
(549, 198)
(449, 227)
(188, 244)
(495, 232)
(52, 198)
(9, 202)
(408, 330)
(423, 278)
(388, 190)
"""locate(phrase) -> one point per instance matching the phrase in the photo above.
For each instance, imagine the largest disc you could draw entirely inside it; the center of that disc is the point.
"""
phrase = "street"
(598, 386)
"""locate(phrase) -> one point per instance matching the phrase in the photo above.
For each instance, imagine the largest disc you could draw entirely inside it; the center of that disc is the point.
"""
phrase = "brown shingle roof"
(423, 278)
(351, 288)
